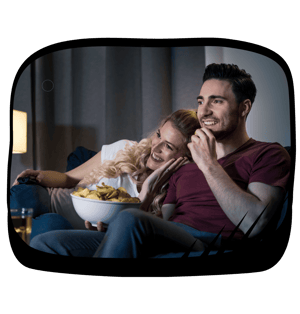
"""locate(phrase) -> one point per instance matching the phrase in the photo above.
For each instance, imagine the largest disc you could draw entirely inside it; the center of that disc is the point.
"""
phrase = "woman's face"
(167, 143)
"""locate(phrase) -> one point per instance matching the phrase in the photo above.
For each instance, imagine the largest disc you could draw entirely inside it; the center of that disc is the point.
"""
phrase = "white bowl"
(94, 210)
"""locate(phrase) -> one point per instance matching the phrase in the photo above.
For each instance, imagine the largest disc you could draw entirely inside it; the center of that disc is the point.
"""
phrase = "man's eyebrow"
(212, 97)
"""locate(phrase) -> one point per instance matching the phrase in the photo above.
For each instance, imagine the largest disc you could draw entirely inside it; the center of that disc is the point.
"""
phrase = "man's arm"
(234, 201)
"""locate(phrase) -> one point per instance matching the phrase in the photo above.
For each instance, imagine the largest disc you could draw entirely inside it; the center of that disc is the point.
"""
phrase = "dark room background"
(93, 96)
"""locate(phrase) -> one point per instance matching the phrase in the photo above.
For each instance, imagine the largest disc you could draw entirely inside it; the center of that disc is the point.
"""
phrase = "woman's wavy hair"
(132, 159)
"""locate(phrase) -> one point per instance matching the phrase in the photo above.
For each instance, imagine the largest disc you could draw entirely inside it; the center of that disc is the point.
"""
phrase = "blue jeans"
(30, 196)
(133, 233)
(36, 197)
(48, 222)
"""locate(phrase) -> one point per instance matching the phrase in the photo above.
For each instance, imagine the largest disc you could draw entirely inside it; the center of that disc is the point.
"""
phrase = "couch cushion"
(30, 196)
(78, 157)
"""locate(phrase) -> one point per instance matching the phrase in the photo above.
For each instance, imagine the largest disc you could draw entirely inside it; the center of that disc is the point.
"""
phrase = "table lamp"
(19, 132)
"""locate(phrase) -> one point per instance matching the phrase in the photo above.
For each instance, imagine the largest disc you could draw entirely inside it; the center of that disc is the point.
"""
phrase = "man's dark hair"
(242, 84)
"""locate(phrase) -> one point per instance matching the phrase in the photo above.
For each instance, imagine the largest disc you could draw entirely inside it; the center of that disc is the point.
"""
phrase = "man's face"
(218, 110)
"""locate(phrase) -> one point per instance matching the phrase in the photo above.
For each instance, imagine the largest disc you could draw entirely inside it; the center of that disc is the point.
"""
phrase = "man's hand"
(203, 148)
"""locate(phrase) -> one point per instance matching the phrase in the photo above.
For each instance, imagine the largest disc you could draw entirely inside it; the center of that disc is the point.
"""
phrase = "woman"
(141, 168)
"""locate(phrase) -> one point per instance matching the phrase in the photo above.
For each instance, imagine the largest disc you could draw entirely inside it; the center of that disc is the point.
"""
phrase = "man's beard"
(223, 134)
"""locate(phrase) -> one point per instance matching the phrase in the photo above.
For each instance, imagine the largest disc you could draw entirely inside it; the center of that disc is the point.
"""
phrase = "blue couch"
(35, 196)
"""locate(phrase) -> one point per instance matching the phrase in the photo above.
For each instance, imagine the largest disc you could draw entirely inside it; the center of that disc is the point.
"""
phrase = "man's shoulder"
(260, 147)
(258, 151)
(186, 170)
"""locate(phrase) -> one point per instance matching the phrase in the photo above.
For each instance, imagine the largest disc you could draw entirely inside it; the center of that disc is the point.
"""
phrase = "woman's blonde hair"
(132, 160)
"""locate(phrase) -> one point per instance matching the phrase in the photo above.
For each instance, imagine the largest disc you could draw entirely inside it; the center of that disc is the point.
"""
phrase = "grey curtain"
(93, 96)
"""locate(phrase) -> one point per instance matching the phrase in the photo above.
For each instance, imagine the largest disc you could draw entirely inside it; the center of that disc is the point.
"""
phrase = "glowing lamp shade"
(19, 132)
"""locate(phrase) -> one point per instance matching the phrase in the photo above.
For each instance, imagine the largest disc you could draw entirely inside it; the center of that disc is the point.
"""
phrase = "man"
(243, 175)
(232, 177)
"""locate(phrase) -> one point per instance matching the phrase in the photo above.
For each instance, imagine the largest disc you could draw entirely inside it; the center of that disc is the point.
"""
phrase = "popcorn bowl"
(95, 210)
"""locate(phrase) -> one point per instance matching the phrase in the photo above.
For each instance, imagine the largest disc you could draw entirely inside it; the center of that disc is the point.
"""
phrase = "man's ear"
(245, 107)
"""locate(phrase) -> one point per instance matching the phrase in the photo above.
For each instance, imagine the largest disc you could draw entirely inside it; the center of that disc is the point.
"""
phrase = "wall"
(22, 102)
(97, 87)
(269, 119)
(101, 95)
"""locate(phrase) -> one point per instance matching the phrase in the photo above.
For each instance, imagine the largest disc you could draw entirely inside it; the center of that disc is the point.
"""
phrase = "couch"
(272, 242)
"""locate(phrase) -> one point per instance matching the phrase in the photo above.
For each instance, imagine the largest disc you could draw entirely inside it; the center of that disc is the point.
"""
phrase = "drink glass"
(22, 221)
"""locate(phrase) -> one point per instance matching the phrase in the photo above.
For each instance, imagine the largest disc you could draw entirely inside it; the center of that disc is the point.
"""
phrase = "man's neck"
(230, 144)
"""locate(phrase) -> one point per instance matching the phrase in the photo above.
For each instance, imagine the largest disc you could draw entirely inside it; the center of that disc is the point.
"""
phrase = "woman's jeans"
(36, 197)
(48, 222)
(133, 233)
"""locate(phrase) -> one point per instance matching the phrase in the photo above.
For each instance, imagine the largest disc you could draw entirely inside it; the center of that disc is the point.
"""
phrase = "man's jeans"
(133, 233)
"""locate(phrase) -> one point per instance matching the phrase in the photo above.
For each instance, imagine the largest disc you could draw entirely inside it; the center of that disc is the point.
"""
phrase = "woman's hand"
(160, 176)
(48, 178)
(100, 226)
(34, 174)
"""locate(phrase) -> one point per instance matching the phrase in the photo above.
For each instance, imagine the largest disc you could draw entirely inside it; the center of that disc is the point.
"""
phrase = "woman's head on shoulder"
(169, 141)
(171, 138)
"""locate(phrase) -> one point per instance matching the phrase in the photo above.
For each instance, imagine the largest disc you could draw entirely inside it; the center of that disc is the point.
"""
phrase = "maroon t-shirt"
(196, 205)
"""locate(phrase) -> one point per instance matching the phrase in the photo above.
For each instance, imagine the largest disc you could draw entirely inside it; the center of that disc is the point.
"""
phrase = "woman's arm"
(55, 179)
(48, 178)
